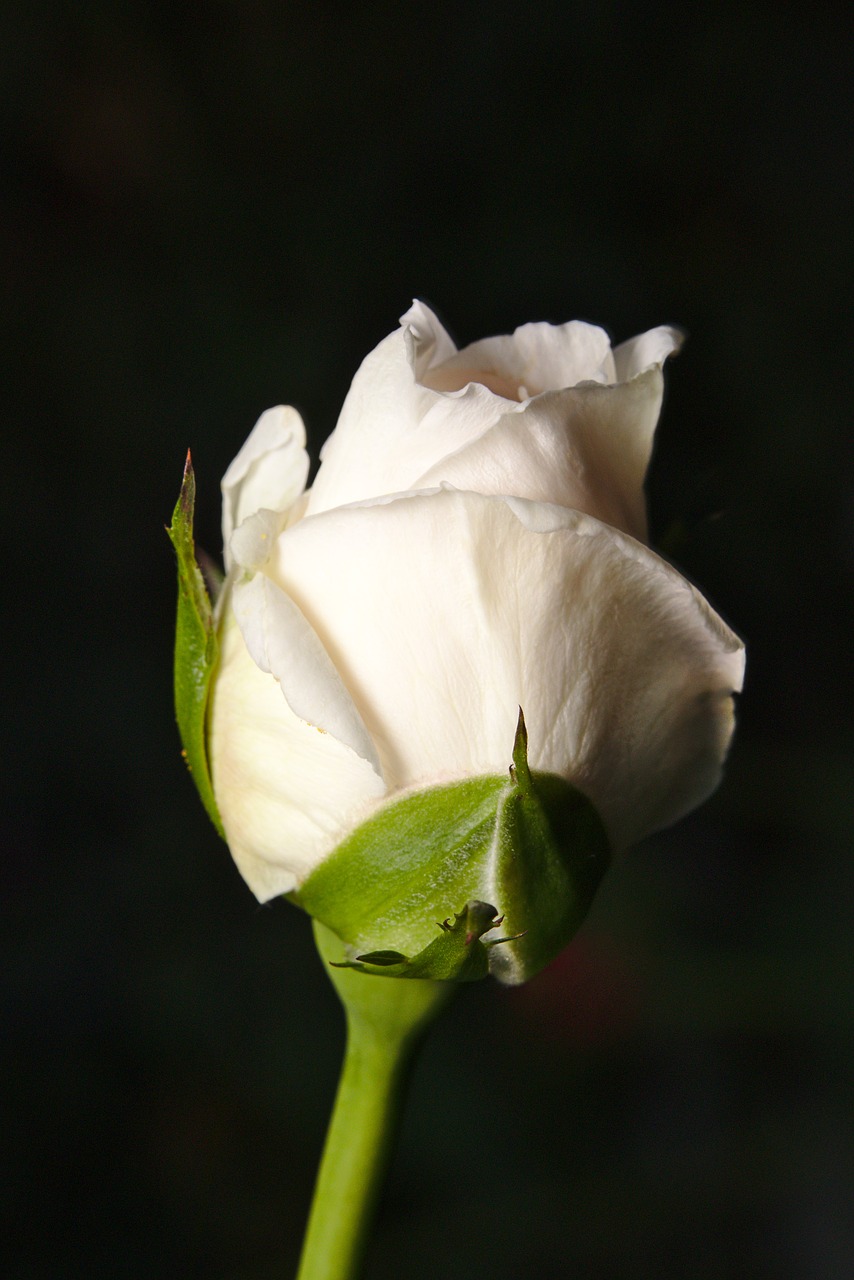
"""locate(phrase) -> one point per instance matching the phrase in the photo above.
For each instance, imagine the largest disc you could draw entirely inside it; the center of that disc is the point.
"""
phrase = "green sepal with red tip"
(196, 646)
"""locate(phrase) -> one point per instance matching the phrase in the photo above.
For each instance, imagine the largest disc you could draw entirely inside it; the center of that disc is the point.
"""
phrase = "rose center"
(449, 377)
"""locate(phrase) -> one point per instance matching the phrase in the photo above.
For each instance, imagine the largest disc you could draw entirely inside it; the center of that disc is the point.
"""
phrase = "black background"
(212, 208)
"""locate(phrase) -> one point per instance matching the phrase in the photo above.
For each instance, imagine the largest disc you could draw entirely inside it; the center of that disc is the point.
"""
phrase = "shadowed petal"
(287, 790)
(281, 642)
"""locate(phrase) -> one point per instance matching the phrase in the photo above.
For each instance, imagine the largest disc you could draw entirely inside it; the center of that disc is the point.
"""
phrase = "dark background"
(212, 208)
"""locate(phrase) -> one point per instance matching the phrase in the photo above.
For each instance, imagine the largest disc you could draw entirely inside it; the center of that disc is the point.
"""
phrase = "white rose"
(473, 543)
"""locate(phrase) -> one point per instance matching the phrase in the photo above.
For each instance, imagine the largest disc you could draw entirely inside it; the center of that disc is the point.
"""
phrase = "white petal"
(269, 471)
(380, 414)
(431, 343)
(392, 428)
(536, 358)
(647, 349)
(287, 791)
(282, 643)
(252, 542)
(445, 612)
(586, 448)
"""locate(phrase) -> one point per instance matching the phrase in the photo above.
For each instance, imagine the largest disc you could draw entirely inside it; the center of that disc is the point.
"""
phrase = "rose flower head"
(473, 547)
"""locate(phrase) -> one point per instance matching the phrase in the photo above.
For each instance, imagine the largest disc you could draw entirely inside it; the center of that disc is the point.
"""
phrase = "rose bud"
(473, 546)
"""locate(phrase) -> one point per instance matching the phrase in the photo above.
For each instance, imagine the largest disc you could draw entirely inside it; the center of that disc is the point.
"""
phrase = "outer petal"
(445, 612)
(287, 790)
(586, 448)
(270, 470)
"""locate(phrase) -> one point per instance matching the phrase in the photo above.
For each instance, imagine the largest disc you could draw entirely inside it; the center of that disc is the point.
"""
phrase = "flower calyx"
(528, 841)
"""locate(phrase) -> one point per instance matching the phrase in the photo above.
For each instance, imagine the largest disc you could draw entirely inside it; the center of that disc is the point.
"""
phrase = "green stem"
(386, 1020)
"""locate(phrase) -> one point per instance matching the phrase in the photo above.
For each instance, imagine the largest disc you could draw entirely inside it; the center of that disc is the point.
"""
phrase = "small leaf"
(457, 955)
(196, 646)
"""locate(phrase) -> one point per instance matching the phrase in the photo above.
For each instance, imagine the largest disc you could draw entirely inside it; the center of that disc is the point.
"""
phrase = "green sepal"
(196, 646)
(457, 955)
(528, 842)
